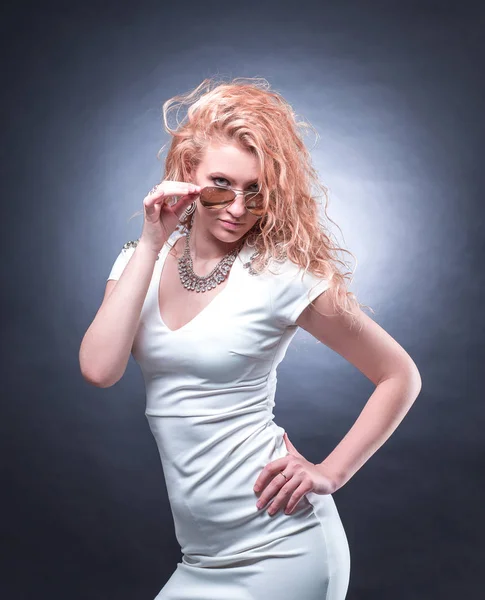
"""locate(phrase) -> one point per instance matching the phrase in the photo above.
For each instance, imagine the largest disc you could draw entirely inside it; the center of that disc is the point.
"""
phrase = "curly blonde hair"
(245, 110)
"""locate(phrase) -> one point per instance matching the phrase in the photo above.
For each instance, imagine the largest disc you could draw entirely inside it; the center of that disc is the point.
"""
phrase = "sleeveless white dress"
(210, 389)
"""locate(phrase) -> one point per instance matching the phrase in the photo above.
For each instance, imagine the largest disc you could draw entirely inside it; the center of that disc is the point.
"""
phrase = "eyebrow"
(219, 174)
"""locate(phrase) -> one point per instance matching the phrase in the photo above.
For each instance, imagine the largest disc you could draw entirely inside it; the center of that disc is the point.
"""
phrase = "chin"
(230, 238)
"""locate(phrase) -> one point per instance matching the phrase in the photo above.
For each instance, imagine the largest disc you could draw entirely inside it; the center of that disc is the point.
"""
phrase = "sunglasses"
(213, 197)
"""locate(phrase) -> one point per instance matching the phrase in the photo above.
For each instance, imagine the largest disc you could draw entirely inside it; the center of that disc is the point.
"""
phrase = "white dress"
(210, 389)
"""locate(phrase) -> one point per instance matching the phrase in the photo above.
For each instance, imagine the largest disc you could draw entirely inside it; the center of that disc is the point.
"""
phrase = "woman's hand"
(302, 477)
(161, 219)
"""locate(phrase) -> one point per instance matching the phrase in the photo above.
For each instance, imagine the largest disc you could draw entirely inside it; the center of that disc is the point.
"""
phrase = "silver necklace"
(192, 281)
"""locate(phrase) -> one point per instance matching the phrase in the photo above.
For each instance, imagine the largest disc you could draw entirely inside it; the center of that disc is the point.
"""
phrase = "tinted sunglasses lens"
(255, 204)
(216, 197)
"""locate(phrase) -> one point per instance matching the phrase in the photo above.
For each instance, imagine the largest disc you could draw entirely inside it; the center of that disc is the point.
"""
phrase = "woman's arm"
(106, 345)
(382, 413)
(382, 360)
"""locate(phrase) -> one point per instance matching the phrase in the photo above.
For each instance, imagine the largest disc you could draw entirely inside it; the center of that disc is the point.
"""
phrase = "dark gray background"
(395, 90)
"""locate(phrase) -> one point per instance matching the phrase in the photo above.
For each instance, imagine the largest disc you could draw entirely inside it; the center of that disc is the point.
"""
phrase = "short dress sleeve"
(293, 290)
(122, 259)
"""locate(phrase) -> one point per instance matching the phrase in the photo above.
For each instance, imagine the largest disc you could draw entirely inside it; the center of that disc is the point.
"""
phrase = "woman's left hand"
(302, 477)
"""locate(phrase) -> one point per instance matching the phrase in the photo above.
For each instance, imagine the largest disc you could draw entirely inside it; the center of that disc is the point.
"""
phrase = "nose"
(238, 207)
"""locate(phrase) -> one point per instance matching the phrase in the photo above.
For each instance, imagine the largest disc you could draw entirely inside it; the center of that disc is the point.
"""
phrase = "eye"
(221, 179)
(255, 186)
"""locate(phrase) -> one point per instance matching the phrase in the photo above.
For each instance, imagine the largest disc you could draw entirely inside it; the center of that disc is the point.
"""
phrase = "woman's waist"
(195, 448)
(216, 465)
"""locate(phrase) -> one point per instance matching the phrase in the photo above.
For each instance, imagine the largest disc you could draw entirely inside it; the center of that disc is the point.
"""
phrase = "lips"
(231, 222)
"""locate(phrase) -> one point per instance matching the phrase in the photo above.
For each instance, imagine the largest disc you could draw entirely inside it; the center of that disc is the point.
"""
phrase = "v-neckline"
(163, 256)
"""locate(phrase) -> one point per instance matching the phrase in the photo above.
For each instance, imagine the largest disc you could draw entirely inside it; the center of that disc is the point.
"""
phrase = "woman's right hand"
(160, 218)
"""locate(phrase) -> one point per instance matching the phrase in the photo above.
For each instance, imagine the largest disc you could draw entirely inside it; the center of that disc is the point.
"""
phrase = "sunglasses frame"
(235, 192)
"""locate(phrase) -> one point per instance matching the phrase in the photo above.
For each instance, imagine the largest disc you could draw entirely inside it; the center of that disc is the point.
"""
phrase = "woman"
(208, 309)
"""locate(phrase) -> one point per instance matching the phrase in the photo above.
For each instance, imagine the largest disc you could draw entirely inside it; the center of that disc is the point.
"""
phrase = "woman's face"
(231, 166)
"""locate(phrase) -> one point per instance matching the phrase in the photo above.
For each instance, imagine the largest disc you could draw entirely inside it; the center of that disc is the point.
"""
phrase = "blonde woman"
(232, 259)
